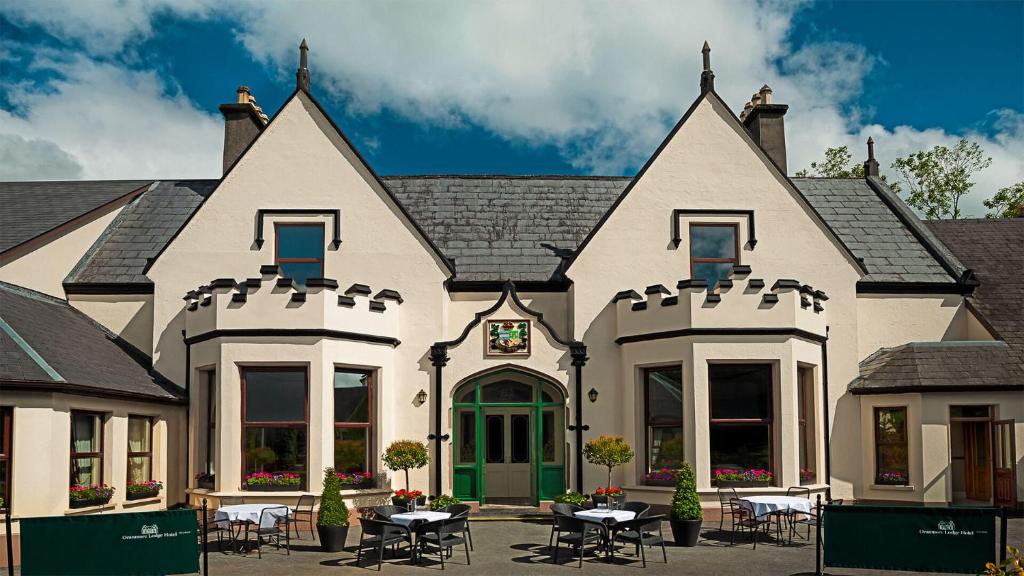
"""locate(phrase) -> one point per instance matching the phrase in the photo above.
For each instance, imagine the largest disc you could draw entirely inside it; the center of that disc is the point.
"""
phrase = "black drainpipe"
(827, 425)
(579, 358)
(438, 358)
(188, 409)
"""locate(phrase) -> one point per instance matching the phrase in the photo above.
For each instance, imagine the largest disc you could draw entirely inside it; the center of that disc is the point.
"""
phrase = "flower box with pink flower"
(741, 477)
(273, 482)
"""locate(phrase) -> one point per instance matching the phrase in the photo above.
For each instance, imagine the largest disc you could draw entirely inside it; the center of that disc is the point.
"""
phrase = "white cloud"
(111, 122)
(25, 159)
(600, 80)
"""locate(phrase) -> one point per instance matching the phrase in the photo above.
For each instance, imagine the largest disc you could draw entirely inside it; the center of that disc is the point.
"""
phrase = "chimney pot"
(764, 122)
(765, 94)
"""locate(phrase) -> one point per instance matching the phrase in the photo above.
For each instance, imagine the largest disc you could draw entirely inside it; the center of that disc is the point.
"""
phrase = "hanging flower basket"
(141, 490)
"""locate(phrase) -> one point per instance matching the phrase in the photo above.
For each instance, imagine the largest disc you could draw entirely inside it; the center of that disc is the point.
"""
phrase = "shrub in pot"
(608, 451)
(332, 519)
(687, 514)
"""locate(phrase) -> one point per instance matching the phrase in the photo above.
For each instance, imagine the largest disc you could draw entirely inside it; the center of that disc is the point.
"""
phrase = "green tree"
(333, 511)
(685, 501)
(836, 165)
(608, 451)
(406, 454)
(1007, 203)
(937, 179)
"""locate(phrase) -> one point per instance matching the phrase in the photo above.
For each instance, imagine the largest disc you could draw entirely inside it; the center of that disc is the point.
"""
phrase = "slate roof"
(87, 358)
(139, 232)
(873, 231)
(493, 226)
(33, 208)
(994, 249)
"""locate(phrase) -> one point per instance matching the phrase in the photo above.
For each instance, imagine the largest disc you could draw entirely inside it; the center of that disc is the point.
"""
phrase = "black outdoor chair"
(809, 520)
(386, 512)
(641, 532)
(378, 535)
(459, 511)
(789, 516)
(303, 511)
(269, 529)
(725, 495)
(565, 510)
(744, 520)
(444, 535)
(212, 527)
(639, 508)
(577, 532)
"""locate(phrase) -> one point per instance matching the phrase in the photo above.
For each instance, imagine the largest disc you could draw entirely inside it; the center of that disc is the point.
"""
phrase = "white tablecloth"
(407, 518)
(597, 515)
(763, 505)
(249, 513)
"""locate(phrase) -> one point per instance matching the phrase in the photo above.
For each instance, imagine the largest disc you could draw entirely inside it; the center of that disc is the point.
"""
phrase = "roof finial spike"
(871, 165)
(302, 74)
(707, 77)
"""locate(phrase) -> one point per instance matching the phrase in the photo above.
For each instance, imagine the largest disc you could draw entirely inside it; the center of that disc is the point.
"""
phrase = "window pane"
(712, 241)
(666, 447)
(892, 425)
(495, 431)
(300, 241)
(520, 438)
(351, 397)
(891, 459)
(351, 449)
(85, 433)
(301, 271)
(664, 395)
(275, 396)
(275, 450)
(548, 436)
(86, 471)
(740, 446)
(507, 391)
(711, 272)
(469, 396)
(139, 469)
(467, 437)
(138, 434)
(740, 391)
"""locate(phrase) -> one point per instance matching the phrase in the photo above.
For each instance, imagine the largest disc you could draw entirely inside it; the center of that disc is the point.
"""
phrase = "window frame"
(769, 422)
(7, 453)
(78, 455)
(128, 443)
(698, 260)
(805, 390)
(287, 424)
(648, 426)
(371, 415)
(278, 260)
(878, 443)
(211, 421)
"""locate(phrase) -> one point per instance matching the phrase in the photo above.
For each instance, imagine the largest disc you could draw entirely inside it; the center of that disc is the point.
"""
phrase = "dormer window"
(300, 251)
(714, 250)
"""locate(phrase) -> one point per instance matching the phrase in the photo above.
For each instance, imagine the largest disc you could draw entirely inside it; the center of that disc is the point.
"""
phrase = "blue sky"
(567, 87)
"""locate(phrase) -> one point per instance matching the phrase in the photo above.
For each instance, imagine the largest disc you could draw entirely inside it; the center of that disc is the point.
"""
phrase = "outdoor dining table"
(762, 506)
(609, 518)
(411, 519)
(239, 514)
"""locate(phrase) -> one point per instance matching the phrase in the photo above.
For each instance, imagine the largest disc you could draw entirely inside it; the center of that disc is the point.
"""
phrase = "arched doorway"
(509, 432)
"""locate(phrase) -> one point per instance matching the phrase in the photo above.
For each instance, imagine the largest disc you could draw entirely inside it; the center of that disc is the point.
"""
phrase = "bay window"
(663, 417)
(891, 458)
(353, 421)
(140, 449)
(275, 421)
(86, 449)
(741, 424)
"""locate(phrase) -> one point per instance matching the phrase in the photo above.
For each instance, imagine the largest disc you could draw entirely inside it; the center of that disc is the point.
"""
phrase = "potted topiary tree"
(608, 451)
(687, 514)
(332, 519)
(404, 455)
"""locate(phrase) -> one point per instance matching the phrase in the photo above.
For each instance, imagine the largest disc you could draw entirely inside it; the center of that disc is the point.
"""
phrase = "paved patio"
(521, 548)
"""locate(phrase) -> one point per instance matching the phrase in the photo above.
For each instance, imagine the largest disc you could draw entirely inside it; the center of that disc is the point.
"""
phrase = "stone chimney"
(243, 122)
(764, 122)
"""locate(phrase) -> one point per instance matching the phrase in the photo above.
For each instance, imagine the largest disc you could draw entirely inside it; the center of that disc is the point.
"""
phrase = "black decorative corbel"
(335, 215)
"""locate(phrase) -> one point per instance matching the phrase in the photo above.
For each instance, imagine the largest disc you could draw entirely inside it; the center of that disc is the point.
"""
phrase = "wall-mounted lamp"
(421, 397)
(592, 395)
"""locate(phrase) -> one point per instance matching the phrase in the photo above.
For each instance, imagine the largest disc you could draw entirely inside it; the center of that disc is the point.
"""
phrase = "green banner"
(111, 544)
(920, 539)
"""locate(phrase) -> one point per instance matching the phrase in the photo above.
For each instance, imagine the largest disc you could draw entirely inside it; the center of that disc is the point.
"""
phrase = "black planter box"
(273, 488)
(88, 503)
(142, 495)
(420, 502)
(207, 484)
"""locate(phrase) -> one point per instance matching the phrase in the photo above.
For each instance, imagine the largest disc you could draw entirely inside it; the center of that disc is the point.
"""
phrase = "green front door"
(509, 439)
